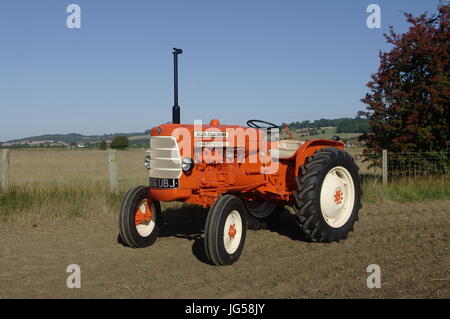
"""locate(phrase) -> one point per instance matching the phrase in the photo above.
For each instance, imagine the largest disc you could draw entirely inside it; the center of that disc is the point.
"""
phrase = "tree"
(355, 125)
(103, 145)
(120, 143)
(408, 99)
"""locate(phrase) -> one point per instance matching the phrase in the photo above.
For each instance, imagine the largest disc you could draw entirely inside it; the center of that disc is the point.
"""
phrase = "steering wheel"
(254, 124)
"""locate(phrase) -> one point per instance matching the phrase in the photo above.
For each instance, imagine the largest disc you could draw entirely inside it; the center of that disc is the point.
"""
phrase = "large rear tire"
(139, 218)
(328, 198)
(225, 230)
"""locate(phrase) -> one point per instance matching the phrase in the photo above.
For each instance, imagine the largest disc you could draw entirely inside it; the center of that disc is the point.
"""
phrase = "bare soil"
(410, 242)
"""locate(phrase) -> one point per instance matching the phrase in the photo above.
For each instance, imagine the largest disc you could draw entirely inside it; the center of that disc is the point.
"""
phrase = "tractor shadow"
(286, 225)
(188, 222)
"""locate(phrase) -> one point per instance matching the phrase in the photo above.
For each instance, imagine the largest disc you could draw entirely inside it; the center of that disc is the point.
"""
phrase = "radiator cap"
(214, 122)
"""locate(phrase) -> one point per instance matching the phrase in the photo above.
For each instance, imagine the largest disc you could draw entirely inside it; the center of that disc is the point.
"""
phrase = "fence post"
(112, 161)
(385, 167)
(5, 177)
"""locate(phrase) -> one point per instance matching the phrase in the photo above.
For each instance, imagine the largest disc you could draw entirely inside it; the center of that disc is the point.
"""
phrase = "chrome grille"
(165, 157)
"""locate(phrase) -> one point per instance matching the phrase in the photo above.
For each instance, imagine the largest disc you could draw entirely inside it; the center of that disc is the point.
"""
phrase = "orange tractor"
(243, 174)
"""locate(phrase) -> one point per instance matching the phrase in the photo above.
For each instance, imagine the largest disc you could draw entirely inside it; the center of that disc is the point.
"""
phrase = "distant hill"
(342, 125)
(71, 138)
(346, 128)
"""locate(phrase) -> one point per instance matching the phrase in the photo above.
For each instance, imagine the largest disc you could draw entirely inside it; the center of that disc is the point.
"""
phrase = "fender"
(309, 148)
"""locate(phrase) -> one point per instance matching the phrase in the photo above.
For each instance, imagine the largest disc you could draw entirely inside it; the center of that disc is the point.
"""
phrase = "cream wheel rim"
(337, 196)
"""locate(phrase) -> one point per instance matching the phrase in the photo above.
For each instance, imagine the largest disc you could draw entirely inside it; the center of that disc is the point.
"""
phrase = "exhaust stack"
(176, 107)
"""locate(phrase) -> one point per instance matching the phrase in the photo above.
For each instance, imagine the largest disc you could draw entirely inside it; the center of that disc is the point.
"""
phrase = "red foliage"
(408, 99)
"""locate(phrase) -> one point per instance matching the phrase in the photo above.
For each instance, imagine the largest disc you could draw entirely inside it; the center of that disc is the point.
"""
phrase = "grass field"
(59, 211)
(324, 133)
(76, 167)
(55, 184)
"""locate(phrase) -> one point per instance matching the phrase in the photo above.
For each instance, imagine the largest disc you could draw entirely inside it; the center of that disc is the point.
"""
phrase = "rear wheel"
(329, 195)
(139, 218)
(261, 213)
(225, 230)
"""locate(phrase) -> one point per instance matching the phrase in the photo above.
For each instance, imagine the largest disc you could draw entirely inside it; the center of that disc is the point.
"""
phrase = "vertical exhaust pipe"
(176, 107)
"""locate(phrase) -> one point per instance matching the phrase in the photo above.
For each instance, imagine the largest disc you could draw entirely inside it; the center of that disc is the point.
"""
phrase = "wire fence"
(391, 166)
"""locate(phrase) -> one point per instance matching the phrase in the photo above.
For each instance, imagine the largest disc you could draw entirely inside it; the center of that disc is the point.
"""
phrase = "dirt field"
(410, 242)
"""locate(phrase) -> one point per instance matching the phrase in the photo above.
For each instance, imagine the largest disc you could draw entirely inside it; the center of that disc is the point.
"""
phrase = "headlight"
(187, 164)
(147, 162)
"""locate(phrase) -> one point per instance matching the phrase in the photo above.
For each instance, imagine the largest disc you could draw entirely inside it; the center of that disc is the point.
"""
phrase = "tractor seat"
(287, 148)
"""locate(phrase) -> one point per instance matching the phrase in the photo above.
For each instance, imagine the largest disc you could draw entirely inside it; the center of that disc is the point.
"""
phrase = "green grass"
(408, 190)
(56, 202)
(51, 202)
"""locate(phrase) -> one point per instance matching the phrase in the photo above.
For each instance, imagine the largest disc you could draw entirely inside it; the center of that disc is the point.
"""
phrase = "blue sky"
(279, 61)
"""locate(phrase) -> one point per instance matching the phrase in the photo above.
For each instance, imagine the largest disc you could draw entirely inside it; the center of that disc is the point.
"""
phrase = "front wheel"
(225, 230)
(139, 218)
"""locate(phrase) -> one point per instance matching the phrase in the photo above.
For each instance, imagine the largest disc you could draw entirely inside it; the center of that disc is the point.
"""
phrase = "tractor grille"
(165, 157)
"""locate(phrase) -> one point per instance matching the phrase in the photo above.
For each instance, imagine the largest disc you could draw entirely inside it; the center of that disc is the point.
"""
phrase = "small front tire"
(225, 230)
(139, 220)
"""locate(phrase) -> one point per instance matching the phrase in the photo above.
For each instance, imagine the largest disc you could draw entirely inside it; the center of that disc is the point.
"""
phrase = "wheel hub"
(338, 196)
(232, 231)
(143, 214)
(144, 219)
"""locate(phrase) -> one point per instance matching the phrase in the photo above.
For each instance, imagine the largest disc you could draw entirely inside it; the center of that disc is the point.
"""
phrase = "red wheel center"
(338, 196)
(143, 217)
(232, 231)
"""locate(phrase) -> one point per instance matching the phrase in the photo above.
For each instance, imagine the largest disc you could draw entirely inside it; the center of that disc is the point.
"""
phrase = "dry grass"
(56, 186)
(72, 166)
(81, 166)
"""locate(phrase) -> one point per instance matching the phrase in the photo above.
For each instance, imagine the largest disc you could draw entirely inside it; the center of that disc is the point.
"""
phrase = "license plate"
(163, 182)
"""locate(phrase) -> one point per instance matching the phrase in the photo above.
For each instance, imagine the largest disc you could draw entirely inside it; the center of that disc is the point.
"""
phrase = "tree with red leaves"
(408, 99)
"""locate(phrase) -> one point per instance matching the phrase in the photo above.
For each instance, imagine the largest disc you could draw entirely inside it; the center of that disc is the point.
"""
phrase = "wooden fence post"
(112, 161)
(5, 177)
(385, 167)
